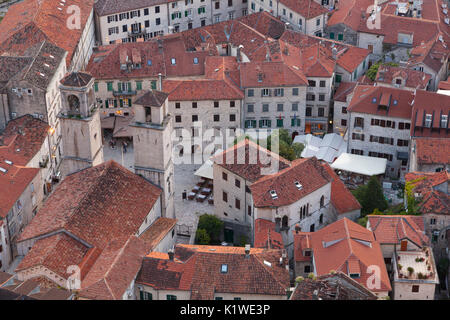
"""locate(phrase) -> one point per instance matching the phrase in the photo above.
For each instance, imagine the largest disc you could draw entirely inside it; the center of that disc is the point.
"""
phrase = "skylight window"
(298, 185)
(8, 162)
(149, 62)
(195, 60)
(224, 268)
(173, 61)
(274, 195)
(3, 170)
(374, 100)
(395, 102)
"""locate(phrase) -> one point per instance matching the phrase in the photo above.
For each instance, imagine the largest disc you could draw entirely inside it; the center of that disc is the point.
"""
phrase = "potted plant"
(410, 270)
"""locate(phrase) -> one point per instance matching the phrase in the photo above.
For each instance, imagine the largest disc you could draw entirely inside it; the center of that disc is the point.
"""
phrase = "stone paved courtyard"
(186, 211)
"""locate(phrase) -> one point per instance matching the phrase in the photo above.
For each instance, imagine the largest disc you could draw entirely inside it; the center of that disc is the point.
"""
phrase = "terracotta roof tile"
(345, 244)
(308, 172)
(249, 160)
(433, 150)
(391, 229)
(201, 272)
(341, 198)
(266, 236)
(157, 231)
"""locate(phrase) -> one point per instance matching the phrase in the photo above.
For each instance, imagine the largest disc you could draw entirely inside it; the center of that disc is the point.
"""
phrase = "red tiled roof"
(345, 88)
(352, 58)
(157, 231)
(308, 172)
(433, 150)
(114, 270)
(426, 102)
(22, 138)
(155, 56)
(341, 198)
(31, 21)
(306, 8)
(343, 246)
(19, 143)
(425, 185)
(249, 160)
(413, 78)
(266, 236)
(391, 229)
(349, 13)
(273, 74)
(444, 85)
(55, 253)
(202, 89)
(107, 201)
(363, 95)
(197, 269)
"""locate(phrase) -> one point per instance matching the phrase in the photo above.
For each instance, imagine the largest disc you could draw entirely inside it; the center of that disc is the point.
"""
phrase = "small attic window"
(173, 61)
(374, 100)
(224, 268)
(298, 185)
(354, 275)
(395, 102)
(274, 195)
(149, 62)
(3, 170)
(195, 60)
(8, 162)
(267, 263)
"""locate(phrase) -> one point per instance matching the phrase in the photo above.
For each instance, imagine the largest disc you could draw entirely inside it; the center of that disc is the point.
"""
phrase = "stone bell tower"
(80, 124)
(152, 142)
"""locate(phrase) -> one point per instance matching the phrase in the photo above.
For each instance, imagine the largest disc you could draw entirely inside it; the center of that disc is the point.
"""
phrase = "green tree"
(298, 149)
(212, 225)
(371, 197)
(202, 237)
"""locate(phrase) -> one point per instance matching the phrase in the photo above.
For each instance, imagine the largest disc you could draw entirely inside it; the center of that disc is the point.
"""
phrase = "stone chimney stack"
(247, 251)
(171, 254)
(159, 81)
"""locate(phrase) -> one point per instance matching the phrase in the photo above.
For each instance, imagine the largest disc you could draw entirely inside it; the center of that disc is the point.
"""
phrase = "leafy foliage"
(371, 197)
(202, 237)
(212, 225)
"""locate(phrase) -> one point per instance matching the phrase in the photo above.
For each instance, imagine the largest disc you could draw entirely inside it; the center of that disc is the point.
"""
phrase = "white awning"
(206, 169)
(368, 166)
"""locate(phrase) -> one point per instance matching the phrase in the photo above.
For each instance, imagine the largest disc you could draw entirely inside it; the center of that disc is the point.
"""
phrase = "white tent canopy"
(368, 166)
(329, 148)
(206, 169)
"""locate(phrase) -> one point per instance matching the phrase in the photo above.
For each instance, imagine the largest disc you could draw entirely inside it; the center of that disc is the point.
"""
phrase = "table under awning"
(368, 166)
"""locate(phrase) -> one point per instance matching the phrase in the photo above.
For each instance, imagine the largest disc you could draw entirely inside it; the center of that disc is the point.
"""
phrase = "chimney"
(159, 81)
(247, 250)
(297, 228)
(171, 254)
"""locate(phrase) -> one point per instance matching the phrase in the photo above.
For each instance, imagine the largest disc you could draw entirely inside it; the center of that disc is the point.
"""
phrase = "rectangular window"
(224, 196)
(295, 107)
(415, 288)
(109, 86)
(171, 297)
(279, 123)
(224, 176)
(250, 108)
(194, 118)
(232, 117)
(295, 91)
(216, 118)
(280, 107)
(250, 93)
(138, 85)
(237, 203)
(237, 183)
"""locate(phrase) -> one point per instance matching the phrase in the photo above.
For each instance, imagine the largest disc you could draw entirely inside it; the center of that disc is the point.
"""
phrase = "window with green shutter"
(115, 103)
(110, 86)
(338, 78)
(96, 86)
(340, 36)
(331, 35)
(250, 123)
(295, 122)
(171, 297)
(121, 103)
(129, 102)
(173, 16)
(106, 104)
(138, 85)
(154, 85)
(279, 123)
